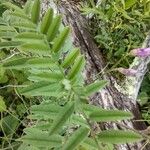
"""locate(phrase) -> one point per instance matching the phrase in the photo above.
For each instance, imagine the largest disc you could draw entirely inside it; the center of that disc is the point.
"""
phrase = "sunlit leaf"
(20, 63)
(63, 116)
(24, 25)
(35, 13)
(129, 3)
(53, 28)
(46, 21)
(36, 48)
(51, 77)
(118, 136)
(9, 44)
(29, 37)
(76, 138)
(109, 115)
(95, 87)
(40, 138)
(70, 58)
(42, 89)
(78, 65)
(60, 40)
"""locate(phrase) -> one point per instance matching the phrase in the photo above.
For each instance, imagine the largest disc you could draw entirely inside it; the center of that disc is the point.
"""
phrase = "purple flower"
(127, 72)
(140, 52)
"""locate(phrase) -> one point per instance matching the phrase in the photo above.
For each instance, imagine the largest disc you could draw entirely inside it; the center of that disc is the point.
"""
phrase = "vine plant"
(65, 119)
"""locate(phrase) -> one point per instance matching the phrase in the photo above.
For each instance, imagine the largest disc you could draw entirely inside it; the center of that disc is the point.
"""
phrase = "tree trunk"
(113, 96)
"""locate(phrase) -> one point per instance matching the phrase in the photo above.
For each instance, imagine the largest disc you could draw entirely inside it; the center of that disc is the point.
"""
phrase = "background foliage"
(120, 26)
(40, 69)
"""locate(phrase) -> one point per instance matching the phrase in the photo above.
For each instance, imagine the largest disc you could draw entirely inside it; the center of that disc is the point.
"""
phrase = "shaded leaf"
(2, 104)
(13, 7)
(9, 124)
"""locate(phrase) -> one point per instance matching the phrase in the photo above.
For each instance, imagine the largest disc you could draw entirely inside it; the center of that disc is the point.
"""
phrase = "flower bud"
(140, 52)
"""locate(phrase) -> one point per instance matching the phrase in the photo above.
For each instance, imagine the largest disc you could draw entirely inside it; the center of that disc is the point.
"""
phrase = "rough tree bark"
(113, 96)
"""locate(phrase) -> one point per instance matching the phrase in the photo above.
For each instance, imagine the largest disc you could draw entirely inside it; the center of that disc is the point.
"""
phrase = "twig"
(9, 57)
(14, 86)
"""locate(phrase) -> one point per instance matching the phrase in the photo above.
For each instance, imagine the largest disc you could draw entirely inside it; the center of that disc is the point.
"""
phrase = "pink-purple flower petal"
(140, 52)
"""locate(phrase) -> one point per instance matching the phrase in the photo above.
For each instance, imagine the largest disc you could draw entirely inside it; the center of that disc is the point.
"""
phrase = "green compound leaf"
(35, 13)
(76, 138)
(54, 28)
(95, 87)
(90, 144)
(36, 48)
(6, 28)
(38, 138)
(29, 37)
(27, 25)
(13, 7)
(20, 63)
(77, 67)
(42, 89)
(28, 7)
(7, 34)
(70, 58)
(118, 137)
(19, 15)
(109, 115)
(9, 44)
(46, 21)
(49, 111)
(47, 76)
(88, 108)
(63, 116)
(60, 40)
(44, 62)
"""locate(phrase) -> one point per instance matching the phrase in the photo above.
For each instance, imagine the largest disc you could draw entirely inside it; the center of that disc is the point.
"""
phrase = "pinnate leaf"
(118, 136)
(109, 115)
(76, 138)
